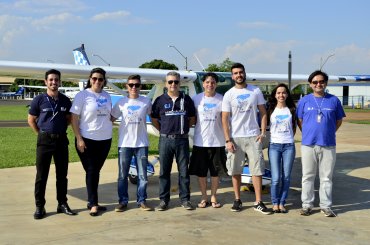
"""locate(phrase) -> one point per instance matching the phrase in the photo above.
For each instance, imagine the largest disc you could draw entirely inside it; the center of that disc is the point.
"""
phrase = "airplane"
(191, 81)
(18, 93)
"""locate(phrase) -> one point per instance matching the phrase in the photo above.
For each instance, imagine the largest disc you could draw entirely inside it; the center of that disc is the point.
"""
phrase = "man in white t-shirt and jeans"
(133, 141)
(243, 135)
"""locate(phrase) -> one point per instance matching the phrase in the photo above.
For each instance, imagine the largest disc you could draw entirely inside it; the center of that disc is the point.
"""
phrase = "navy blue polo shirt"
(173, 117)
(52, 115)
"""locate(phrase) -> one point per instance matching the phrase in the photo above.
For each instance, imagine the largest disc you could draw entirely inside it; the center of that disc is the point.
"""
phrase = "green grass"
(13, 112)
(18, 147)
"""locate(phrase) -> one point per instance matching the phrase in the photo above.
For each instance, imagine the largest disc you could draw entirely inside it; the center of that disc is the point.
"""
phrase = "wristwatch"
(227, 141)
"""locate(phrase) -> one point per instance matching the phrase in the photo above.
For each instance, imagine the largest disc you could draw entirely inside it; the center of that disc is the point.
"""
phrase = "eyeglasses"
(136, 85)
(173, 81)
(316, 82)
(100, 79)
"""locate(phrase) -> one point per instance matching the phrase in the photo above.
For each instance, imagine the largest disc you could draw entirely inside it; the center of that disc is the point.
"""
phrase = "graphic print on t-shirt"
(243, 102)
(282, 123)
(133, 114)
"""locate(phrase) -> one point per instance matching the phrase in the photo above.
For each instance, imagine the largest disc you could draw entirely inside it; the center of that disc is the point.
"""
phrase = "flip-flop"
(203, 204)
(216, 205)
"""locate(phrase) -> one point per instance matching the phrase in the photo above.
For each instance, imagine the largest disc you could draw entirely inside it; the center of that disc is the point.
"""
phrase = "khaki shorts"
(246, 147)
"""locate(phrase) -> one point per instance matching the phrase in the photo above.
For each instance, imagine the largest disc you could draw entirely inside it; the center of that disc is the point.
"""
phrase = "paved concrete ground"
(201, 226)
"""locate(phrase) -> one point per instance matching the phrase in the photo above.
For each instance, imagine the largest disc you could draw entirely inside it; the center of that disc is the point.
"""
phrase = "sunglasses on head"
(173, 81)
(131, 85)
(100, 79)
(316, 82)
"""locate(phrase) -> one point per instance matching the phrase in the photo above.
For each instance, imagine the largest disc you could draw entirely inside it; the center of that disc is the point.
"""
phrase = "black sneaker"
(187, 205)
(260, 207)
(305, 211)
(237, 206)
(162, 206)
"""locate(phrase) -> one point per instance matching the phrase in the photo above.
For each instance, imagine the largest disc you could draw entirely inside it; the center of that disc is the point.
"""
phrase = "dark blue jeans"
(92, 160)
(124, 160)
(168, 148)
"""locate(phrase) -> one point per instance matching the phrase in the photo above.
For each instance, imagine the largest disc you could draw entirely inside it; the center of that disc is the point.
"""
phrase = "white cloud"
(120, 17)
(45, 6)
(49, 22)
(257, 51)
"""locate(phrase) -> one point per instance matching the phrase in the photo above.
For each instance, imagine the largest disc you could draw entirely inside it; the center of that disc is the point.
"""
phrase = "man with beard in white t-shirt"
(243, 135)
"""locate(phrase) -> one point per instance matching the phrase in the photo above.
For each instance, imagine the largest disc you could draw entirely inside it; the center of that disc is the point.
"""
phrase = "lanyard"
(319, 107)
(54, 109)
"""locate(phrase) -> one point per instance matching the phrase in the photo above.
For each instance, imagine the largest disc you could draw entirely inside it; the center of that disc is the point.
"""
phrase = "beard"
(237, 82)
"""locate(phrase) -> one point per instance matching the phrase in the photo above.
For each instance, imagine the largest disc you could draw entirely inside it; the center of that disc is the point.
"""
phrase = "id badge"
(318, 118)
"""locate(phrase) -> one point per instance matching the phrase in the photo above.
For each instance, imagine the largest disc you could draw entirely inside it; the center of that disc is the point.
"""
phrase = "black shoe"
(237, 206)
(64, 208)
(39, 213)
(260, 207)
(100, 208)
(162, 206)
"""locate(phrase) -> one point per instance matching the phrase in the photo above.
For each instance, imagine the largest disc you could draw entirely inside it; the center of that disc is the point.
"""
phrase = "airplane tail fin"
(19, 91)
(80, 56)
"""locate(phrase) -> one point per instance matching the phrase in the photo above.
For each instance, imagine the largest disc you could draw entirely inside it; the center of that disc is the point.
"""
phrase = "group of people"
(227, 130)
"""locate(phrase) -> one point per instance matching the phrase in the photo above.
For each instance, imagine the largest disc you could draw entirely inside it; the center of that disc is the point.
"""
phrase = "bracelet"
(227, 141)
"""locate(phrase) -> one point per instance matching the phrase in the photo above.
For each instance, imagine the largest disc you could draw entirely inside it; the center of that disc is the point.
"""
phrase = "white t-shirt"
(281, 127)
(242, 106)
(208, 129)
(94, 110)
(132, 130)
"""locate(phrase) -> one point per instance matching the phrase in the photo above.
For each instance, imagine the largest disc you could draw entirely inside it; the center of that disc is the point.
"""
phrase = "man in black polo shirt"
(172, 114)
(49, 117)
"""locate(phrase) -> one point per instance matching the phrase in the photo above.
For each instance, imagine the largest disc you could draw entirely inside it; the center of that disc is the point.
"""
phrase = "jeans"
(313, 158)
(281, 157)
(124, 159)
(92, 160)
(168, 148)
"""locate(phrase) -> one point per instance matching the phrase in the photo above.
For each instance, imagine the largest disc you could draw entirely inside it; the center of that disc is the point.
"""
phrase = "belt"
(52, 136)
(175, 136)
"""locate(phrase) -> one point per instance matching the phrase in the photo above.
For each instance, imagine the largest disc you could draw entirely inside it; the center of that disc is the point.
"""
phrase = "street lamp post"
(186, 58)
(101, 59)
(327, 58)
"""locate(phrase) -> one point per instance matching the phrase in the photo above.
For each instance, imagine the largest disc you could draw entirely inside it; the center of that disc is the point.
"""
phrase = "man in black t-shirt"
(49, 117)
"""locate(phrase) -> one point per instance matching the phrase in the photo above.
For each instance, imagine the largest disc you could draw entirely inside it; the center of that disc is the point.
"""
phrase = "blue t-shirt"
(173, 117)
(52, 115)
(319, 115)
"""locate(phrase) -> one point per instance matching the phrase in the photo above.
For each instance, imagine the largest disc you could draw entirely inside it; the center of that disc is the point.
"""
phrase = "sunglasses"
(136, 85)
(316, 82)
(100, 79)
(173, 81)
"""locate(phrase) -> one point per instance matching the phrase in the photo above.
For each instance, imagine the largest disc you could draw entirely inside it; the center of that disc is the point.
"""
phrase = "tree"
(159, 64)
(224, 66)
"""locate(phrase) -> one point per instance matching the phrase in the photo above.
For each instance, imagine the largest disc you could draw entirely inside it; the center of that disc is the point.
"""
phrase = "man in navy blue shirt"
(173, 113)
(49, 117)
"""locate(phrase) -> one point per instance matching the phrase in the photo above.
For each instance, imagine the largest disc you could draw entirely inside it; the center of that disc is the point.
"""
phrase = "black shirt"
(52, 115)
(173, 117)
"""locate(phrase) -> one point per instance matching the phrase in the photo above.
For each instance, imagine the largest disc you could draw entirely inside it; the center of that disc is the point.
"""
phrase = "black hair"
(210, 74)
(237, 65)
(96, 70)
(52, 71)
(316, 73)
(272, 103)
(134, 77)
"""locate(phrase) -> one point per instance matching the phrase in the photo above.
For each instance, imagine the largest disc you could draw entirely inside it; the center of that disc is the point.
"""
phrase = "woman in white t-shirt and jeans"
(92, 127)
(282, 120)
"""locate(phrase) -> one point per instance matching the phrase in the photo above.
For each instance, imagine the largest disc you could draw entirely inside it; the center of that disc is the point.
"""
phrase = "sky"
(258, 34)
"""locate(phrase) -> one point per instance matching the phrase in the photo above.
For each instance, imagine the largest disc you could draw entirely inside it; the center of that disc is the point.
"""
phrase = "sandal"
(203, 204)
(283, 210)
(216, 204)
